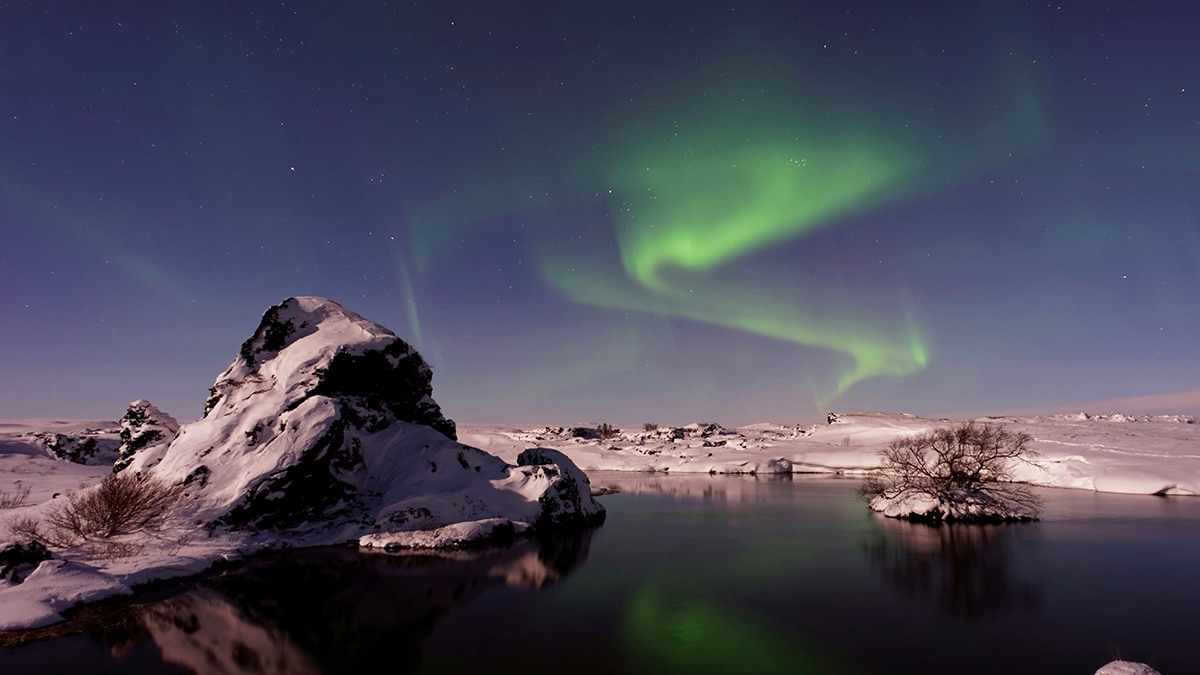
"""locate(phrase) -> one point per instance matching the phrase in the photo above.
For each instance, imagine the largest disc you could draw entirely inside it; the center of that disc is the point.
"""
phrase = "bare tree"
(968, 462)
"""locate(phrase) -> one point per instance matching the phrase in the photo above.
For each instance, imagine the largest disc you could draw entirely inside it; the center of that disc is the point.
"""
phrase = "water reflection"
(327, 609)
(966, 571)
(717, 488)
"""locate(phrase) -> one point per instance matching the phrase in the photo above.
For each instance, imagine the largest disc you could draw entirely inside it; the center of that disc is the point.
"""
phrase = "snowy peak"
(309, 346)
(300, 317)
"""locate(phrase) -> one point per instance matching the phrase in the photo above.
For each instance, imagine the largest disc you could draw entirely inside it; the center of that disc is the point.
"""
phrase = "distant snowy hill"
(93, 442)
(1109, 453)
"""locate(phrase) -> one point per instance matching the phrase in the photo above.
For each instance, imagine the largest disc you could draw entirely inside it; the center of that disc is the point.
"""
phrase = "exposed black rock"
(92, 446)
(17, 559)
(391, 383)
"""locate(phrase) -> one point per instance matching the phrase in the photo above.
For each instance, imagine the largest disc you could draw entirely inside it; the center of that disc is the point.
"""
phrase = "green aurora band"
(716, 171)
(719, 190)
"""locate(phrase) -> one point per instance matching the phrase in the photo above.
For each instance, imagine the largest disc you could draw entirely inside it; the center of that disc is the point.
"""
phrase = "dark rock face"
(271, 336)
(90, 447)
(392, 383)
(16, 559)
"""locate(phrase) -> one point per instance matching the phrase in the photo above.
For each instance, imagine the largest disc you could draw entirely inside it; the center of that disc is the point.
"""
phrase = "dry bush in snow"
(120, 504)
(14, 499)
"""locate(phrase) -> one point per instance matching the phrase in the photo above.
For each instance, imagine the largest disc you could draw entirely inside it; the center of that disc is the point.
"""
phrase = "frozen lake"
(698, 574)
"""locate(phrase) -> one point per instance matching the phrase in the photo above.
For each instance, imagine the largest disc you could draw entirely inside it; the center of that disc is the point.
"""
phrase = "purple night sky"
(623, 211)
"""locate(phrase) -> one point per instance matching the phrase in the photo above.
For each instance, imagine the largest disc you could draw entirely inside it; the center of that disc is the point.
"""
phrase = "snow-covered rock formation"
(147, 430)
(324, 429)
(91, 445)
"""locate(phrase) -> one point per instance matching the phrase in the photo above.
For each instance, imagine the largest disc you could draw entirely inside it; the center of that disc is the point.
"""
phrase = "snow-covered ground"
(1108, 453)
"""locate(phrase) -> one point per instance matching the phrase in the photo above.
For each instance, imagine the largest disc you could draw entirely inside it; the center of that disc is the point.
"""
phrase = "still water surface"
(699, 574)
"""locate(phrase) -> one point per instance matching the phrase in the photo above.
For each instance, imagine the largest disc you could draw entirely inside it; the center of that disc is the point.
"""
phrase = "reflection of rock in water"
(716, 487)
(312, 610)
(201, 631)
(967, 571)
(320, 610)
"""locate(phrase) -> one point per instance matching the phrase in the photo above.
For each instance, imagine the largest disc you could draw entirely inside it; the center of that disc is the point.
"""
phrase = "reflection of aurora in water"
(701, 636)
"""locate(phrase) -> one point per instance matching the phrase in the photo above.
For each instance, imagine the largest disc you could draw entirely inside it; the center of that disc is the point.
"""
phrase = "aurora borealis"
(728, 188)
(628, 212)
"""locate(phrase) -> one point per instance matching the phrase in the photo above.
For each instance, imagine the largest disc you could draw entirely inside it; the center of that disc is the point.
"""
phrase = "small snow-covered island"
(324, 431)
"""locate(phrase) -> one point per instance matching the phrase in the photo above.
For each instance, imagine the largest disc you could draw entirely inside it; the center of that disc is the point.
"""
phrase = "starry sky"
(622, 211)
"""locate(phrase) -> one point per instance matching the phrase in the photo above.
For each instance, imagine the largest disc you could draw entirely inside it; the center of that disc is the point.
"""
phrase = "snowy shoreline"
(1132, 455)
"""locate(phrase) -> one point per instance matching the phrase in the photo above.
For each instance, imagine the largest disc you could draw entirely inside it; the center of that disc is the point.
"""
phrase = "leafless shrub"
(12, 500)
(649, 426)
(120, 504)
(26, 527)
(965, 459)
(606, 431)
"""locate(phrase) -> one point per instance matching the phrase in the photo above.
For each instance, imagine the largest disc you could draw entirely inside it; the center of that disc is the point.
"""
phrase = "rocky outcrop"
(566, 502)
(88, 446)
(147, 430)
(324, 428)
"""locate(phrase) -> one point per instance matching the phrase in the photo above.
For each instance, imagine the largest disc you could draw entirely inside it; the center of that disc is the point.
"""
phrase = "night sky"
(621, 211)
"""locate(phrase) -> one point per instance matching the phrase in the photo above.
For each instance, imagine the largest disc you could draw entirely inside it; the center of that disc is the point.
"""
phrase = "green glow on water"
(700, 636)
